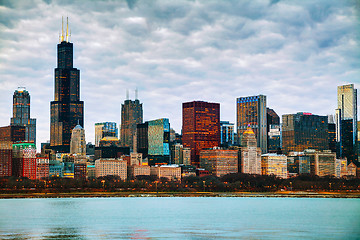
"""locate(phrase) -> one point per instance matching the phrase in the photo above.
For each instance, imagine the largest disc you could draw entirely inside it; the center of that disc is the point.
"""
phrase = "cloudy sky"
(294, 52)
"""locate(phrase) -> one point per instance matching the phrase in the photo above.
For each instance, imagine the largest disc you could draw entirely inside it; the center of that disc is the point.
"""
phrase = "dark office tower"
(346, 115)
(271, 117)
(142, 139)
(131, 115)
(201, 127)
(304, 131)
(273, 131)
(251, 112)
(21, 114)
(66, 110)
(332, 136)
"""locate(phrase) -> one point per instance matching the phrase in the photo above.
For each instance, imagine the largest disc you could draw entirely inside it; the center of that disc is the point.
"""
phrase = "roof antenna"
(136, 93)
(67, 29)
(62, 28)
(127, 94)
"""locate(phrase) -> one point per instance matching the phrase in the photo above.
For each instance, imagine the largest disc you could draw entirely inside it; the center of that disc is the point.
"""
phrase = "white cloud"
(294, 52)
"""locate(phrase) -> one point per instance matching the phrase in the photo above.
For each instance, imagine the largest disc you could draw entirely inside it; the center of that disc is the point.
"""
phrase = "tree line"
(229, 183)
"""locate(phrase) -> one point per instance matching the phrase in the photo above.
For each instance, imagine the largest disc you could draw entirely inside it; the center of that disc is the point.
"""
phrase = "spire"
(62, 30)
(67, 29)
(127, 94)
(136, 93)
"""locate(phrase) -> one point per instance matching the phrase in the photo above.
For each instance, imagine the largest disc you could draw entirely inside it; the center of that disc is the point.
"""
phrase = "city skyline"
(234, 50)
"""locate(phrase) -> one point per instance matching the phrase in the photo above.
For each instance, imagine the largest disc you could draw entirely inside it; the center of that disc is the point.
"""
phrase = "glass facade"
(346, 122)
(251, 112)
(298, 164)
(201, 127)
(227, 134)
(21, 114)
(105, 129)
(159, 141)
(66, 110)
(304, 130)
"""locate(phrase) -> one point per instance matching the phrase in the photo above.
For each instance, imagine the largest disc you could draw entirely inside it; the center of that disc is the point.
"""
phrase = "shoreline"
(279, 194)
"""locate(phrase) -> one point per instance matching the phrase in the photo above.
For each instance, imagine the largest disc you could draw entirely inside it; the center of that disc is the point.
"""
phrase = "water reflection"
(179, 218)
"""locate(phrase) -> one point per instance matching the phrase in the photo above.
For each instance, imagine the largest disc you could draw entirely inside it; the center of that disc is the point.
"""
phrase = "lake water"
(180, 218)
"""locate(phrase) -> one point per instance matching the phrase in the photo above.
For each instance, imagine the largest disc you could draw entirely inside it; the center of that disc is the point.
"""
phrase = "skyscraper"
(66, 110)
(304, 131)
(250, 157)
(131, 115)
(201, 127)
(346, 122)
(159, 141)
(273, 131)
(21, 114)
(142, 139)
(78, 143)
(251, 111)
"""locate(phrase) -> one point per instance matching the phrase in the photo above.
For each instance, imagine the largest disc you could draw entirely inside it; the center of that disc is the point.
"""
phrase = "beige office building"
(137, 170)
(171, 172)
(116, 167)
(322, 163)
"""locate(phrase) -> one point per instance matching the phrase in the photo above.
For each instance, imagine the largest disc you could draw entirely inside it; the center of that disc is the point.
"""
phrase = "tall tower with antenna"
(66, 110)
(131, 115)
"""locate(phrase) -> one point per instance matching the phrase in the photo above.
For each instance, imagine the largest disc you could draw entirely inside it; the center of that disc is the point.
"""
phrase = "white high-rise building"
(78, 143)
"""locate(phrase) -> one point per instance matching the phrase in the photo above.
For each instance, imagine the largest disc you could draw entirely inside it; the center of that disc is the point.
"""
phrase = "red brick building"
(42, 167)
(24, 160)
(8, 136)
(201, 127)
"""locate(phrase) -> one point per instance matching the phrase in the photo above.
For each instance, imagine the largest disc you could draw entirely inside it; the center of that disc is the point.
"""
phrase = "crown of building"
(249, 130)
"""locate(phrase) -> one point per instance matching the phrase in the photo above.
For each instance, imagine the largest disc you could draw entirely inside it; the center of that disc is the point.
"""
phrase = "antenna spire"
(127, 94)
(136, 93)
(62, 29)
(67, 29)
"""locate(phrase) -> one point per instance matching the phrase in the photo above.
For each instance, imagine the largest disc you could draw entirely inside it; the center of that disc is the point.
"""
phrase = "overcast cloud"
(294, 52)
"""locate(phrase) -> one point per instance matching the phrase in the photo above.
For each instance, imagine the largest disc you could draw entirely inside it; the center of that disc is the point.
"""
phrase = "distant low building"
(55, 168)
(90, 171)
(351, 170)
(219, 162)
(340, 167)
(137, 170)
(171, 172)
(42, 168)
(298, 163)
(322, 163)
(188, 170)
(274, 164)
(80, 170)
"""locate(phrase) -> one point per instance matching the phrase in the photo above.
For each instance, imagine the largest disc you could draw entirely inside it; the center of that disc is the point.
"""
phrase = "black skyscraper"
(66, 110)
